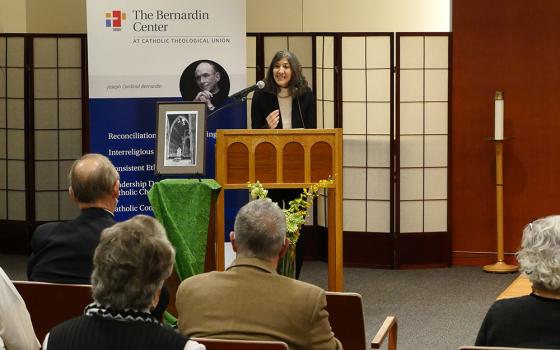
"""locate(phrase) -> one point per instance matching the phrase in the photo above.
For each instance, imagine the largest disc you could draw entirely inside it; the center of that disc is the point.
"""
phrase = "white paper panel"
(354, 117)
(16, 207)
(436, 150)
(379, 154)
(436, 85)
(353, 85)
(354, 52)
(354, 150)
(412, 118)
(435, 216)
(412, 52)
(354, 186)
(411, 184)
(378, 216)
(378, 184)
(412, 85)
(435, 183)
(354, 212)
(437, 52)
(411, 217)
(379, 85)
(379, 118)
(411, 151)
(436, 117)
(378, 52)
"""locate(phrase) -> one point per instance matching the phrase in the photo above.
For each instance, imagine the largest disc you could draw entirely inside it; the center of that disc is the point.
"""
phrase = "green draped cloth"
(183, 207)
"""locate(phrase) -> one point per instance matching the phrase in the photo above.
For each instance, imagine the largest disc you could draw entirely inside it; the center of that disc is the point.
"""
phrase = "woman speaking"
(286, 102)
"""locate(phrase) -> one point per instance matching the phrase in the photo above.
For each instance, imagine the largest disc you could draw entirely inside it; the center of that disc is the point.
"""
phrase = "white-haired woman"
(130, 264)
(533, 320)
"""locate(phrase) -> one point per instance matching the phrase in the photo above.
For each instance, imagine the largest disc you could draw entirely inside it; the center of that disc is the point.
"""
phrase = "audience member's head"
(94, 181)
(539, 256)
(130, 264)
(260, 230)
(207, 77)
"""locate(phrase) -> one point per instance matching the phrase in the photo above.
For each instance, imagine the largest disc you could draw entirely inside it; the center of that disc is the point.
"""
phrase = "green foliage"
(296, 213)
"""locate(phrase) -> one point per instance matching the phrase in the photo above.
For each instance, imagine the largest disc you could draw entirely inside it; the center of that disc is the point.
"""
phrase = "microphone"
(243, 93)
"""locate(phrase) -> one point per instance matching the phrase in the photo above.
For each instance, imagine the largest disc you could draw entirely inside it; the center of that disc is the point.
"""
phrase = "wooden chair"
(51, 303)
(347, 321)
(223, 344)
(472, 347)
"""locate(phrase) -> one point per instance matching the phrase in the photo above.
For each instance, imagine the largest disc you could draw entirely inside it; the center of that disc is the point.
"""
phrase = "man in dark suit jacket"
(62, 252)
(250, 300)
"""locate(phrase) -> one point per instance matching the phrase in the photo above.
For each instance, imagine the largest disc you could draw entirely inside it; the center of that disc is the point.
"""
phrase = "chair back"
(347, 319)
(228, 344)
(347, 322)
(51, 303)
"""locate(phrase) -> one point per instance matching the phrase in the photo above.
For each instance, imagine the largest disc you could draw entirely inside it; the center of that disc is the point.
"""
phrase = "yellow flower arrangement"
(296, 213)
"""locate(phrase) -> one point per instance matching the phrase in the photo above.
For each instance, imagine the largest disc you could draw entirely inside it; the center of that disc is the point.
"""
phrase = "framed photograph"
(180, 138)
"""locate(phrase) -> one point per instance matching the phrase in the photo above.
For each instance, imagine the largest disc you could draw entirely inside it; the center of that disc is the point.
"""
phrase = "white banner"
(143, 52)
(140, 48)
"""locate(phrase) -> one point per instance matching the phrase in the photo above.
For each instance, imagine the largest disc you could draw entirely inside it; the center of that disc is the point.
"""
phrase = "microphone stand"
(227, 105)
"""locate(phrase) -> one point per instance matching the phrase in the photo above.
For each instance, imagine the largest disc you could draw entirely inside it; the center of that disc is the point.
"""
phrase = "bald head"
(207, 77)
(93, 178)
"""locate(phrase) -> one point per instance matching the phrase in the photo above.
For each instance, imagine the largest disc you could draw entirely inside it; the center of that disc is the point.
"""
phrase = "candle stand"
(500, 266)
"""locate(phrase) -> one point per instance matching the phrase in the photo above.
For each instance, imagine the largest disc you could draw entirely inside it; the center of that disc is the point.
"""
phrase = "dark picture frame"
(181, 138)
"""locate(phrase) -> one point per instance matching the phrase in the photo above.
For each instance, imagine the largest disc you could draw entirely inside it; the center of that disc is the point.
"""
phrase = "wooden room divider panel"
(13, 206)
(395, 154)
(42, 113)
(367, 125)
(423, 83)
(58, 99)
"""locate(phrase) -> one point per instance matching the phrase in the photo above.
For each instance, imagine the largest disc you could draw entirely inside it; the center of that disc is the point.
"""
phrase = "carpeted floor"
(437, 309)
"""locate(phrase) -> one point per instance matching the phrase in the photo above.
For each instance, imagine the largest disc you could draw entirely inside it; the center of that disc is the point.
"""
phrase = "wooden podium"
(292, 158)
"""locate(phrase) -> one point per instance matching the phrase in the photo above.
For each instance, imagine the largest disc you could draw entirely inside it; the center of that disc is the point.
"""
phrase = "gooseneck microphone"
(243, 93)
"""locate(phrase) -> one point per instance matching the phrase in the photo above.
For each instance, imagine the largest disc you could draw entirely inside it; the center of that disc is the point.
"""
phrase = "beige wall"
(69, 16)
(274, 16)
(56, 16)
(349, 16)
(12, 16)
(39, 16)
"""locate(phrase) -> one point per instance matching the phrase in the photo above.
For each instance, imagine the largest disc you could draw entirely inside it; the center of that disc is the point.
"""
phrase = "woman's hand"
(273, 119)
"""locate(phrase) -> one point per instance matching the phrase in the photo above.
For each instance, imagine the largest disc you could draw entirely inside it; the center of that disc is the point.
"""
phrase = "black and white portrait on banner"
(205, 81)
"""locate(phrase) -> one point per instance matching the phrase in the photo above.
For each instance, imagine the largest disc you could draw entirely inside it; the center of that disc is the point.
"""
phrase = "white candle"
(499, 116)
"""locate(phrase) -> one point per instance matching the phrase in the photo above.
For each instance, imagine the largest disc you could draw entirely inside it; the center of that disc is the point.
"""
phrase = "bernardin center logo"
(114, 19)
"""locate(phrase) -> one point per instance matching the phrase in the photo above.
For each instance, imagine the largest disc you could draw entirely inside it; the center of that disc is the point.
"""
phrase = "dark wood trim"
(314, 64)
(369, 249)
(337, 81)
(423, 34)
(395, 149)
(15, 237)
(261, 64)
(423, 249)
(392, 146)
(29, 125)
(479, 259)
(449, 129)
(376, 249)
(314, 239)
(85, 97)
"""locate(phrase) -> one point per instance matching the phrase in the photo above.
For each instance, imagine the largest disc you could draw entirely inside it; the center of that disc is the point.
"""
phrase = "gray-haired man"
(62, 252)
